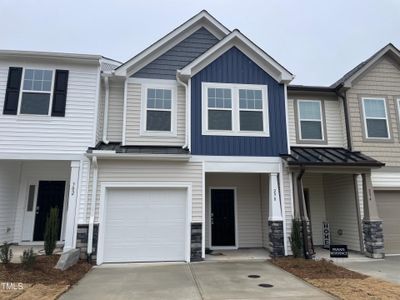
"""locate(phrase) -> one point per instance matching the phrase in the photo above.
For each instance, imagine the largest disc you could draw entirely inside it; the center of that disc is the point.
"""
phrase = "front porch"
(29, 189)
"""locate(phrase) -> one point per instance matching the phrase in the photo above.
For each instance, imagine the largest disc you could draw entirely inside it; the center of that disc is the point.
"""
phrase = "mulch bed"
(43, 272)
(339, 281)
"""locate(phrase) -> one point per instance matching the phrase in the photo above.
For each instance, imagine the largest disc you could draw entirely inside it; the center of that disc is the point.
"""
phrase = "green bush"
(28, 258)
(51, 231)
(6, 253)
(295, 239)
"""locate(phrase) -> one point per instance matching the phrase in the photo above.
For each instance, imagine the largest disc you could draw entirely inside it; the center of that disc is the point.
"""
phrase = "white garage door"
(388, 203)
(145, 224)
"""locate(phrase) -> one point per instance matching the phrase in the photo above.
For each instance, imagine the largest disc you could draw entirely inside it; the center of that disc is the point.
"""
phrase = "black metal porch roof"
(329, 156)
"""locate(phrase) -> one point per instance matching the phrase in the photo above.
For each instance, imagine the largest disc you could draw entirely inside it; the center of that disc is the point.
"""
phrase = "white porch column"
(275, 208)
(72, 202)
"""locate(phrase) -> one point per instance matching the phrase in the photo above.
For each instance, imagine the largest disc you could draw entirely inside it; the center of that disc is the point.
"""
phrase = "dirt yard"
(338, 281)
(40, 282)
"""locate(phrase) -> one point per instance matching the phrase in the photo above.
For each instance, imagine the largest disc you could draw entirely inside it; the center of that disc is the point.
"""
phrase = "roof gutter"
(139, 156)
(346, 118)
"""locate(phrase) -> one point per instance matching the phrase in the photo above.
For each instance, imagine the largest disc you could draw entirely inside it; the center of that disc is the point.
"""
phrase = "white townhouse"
(48, 118)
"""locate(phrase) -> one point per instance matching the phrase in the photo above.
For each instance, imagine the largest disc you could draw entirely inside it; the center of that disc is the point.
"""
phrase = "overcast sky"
(316, 40)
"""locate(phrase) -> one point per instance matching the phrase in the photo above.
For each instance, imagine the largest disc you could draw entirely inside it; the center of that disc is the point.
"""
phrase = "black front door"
(50, 194)
(222, 217)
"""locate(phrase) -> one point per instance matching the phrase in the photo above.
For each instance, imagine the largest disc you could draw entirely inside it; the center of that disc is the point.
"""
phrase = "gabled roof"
(326, 156)
(349, 77)
(237, 39)
(202, 19)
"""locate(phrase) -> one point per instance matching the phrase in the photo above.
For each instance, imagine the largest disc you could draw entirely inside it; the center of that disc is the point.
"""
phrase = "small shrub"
(6, 253)
(51, 231)
(28, 258)
(295, 239)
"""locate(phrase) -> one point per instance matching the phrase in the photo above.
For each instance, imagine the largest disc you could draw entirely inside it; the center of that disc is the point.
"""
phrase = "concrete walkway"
(386, 269)
(206, 280)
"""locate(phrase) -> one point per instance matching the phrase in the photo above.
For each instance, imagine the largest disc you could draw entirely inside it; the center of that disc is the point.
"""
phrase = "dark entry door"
(50, 194)
(222, 217)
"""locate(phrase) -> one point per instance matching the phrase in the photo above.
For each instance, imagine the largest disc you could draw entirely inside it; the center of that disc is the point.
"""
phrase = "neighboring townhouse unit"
(372, 93)
(48, 110)
(193, 130)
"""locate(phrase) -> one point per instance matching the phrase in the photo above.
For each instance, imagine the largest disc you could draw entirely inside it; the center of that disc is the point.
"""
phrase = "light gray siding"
(115, 111)
(381, 80)
(248, 206)
(333, 118)
(133, 134)
(150, 171)
(165, 66)
(9, 185)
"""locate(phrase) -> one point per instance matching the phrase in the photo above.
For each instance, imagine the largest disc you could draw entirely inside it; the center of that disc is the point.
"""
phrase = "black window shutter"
(60, 93)
(12, 91)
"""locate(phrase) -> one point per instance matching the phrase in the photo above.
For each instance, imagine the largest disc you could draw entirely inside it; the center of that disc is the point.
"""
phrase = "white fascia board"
(385, 50)
(50, 55)
(139, 156)
(40, 156)
(239, 164)
(237, 39)
(171, 39)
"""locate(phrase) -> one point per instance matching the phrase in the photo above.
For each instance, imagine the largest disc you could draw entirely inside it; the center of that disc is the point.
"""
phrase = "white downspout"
(186, 110)
(92, 207)
(105, 115)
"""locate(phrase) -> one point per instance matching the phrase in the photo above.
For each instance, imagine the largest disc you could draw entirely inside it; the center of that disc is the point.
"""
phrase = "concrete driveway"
(207, 280)
(386, 269)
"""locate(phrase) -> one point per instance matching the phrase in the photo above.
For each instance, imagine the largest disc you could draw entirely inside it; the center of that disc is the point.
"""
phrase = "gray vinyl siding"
(380, 80)
(133, 135)
(149, 171)
(100, 114)
(333, 120)
(115, 111)
(264, 189)
(248, 206)
(341, 210)
(165, 66)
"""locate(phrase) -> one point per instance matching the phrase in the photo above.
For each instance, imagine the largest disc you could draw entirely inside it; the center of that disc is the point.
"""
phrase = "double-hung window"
(234, 109)
(310, 120)
(36, 92)
(158, 109)
(375, 118)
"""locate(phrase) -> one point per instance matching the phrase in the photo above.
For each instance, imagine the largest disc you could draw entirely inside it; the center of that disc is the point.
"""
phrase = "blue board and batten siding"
(235, 67)
(165, 66)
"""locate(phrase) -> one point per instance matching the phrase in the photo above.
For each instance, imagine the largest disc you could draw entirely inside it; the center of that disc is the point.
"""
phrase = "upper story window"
(310, 120)
(375, 118)
(158, 108)
(36, 92)
(235, 109)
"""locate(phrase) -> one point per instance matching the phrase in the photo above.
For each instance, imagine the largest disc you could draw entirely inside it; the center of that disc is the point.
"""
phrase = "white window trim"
(375, 118)
(21, 91)
(321, 120)
(235, 109)
(143, 114)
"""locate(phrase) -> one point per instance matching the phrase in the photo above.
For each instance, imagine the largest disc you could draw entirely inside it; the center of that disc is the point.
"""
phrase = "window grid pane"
(250, 99)
(374, 108)
(219, 98)
(159, 98)
(38, 80)
(311, 130)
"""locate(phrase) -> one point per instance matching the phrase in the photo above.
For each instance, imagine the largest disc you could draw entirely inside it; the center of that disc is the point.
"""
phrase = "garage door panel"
(388, 203)
(145, 225)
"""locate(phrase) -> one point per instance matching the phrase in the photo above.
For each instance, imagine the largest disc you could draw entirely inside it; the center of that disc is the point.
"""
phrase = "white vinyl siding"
(150, 171)
(288, 205)
(100, 115)
(341, 210)
(334, 120)
(248, 206)
(384, 178)
(133, 133)
(264, 190)
(83, 191)
(9, 185)
(382, 80)
(71, 134)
